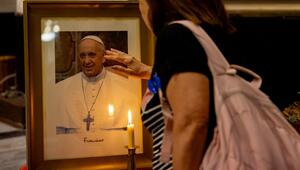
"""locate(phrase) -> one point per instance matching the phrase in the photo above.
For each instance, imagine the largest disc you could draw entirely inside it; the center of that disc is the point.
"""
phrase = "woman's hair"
(210, 12)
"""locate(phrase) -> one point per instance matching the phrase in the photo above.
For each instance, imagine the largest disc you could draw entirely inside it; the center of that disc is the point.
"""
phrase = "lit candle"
(111, 114)
(111, 110)
(130, 130)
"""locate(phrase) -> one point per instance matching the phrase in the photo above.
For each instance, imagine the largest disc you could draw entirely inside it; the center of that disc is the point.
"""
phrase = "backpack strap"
(216, 61)
(146, 99)
(256, 82)
(167, 142)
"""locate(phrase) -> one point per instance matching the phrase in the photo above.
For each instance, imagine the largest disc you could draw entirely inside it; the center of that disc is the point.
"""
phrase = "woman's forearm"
(189, 140)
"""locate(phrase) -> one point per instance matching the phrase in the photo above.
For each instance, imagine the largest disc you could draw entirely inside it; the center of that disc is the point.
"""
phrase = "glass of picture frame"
(52, 33)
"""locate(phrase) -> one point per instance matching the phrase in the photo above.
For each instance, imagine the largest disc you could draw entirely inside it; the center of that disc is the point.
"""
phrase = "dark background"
(270, 47)
(267, 45)
(12, 42)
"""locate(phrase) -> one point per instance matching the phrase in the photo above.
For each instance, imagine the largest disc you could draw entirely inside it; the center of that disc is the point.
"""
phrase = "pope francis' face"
(91, 57)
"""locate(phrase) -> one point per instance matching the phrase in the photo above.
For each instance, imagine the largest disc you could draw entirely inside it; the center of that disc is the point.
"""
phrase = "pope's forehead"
(87, 45)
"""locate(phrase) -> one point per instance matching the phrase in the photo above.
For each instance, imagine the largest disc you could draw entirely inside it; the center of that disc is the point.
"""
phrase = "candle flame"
(129, 117)
(110, 110)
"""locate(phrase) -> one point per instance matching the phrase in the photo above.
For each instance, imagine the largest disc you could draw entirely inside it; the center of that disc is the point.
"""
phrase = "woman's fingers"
(119, 56)
(113, 56)
(133, 67)
(116, 51)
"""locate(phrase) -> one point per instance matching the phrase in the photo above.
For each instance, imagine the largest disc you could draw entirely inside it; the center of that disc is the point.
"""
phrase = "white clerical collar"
(95, 78)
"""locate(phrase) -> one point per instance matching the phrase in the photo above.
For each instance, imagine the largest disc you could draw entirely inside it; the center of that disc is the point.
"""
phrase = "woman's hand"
(131, 66)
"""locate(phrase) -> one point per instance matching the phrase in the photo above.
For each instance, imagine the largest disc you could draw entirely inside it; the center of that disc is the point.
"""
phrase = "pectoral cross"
(88, 120)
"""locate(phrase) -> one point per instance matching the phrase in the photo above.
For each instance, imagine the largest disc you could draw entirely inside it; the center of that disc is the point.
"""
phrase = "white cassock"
(82, 108)
(80, 95)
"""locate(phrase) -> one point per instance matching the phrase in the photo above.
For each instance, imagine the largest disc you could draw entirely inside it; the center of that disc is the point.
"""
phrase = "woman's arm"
(131, 66)
(188, 95)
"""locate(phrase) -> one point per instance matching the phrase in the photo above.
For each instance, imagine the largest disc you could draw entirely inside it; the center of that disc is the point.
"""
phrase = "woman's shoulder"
(177, 30)
(174, 33)
(174, 30)
(176, 36)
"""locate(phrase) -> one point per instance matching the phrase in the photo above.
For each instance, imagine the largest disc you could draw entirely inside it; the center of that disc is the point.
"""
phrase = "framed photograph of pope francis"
(79, 110)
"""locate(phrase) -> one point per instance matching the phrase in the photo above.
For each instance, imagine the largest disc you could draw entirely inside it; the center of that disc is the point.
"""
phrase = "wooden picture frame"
(79, 18)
